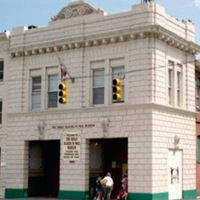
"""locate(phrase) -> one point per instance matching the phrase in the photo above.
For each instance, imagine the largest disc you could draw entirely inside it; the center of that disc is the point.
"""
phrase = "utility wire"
(105, 75)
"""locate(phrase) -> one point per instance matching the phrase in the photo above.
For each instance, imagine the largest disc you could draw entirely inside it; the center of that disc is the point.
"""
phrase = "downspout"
(186, 69)
(23, 66)
(154, 52)
(83, 57)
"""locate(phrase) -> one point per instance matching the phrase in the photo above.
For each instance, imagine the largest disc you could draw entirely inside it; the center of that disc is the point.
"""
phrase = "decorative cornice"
(197, 65)
(155, 31)
(75, 9)
(153, 106)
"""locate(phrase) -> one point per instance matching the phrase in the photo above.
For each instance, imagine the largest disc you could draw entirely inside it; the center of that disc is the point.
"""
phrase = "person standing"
(125, 182)
(107, 186)
(99, 189)
(122, 195)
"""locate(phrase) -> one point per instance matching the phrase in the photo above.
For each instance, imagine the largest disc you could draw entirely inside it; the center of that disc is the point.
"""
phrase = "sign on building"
(71, 143)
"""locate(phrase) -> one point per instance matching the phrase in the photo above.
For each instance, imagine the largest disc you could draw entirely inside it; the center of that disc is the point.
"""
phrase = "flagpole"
(61, 61)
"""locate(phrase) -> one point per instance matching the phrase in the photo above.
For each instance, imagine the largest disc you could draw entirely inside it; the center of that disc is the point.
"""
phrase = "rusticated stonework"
(75, 9)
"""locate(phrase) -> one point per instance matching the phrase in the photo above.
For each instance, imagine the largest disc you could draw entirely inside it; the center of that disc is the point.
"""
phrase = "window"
(0, 160)
(178, 85)
(175, 82)
(118, 71)
(1, 70)
(52, 91)
(1, 111)
(170, 79)
(36, 92)
(198, 149)
(98, 86)
(198, 93)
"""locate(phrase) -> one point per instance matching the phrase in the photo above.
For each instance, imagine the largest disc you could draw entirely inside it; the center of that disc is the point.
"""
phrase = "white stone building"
(4, 59)
(149, 134)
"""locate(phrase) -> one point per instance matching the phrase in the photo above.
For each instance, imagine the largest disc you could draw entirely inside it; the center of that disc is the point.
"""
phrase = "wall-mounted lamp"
(105, 125)
(176, 142)
(41, 128)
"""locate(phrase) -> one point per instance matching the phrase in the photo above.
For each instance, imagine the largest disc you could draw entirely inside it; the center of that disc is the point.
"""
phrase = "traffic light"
(117, 89)
(63, 93)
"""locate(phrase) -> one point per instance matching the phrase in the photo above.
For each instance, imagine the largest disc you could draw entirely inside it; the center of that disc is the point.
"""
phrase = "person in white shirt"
(107, 186)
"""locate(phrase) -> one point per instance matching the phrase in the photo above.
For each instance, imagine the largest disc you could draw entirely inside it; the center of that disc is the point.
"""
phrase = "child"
(99, 189)
(121, 194)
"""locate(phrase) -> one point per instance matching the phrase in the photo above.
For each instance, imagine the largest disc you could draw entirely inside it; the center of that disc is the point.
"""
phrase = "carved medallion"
(75, 9)
(68, 13)
(81, 10)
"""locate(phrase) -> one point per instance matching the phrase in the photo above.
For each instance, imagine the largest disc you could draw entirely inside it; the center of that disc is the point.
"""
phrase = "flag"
(63, 69)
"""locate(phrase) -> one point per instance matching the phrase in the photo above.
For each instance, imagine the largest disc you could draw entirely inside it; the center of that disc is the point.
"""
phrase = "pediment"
(75, 9)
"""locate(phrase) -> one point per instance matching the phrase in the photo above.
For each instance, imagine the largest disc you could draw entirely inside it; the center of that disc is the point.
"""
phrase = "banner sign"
(71, 145)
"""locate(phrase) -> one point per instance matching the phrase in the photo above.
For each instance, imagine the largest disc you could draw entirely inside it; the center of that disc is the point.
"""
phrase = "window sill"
(117, 102)
(97, 105)
(53, 108)
(175, 106)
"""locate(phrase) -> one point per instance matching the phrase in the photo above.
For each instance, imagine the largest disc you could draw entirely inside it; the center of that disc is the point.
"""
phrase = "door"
(44, 162)
(175, 174)
(108, 155)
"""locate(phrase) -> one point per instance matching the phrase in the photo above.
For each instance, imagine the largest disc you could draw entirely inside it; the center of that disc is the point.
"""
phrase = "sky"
(15, 13)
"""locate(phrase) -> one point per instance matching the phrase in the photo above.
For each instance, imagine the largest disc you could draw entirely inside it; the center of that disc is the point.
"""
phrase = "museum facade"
(53, 149)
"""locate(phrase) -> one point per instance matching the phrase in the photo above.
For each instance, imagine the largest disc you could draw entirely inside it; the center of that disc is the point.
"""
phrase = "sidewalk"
(45, 198)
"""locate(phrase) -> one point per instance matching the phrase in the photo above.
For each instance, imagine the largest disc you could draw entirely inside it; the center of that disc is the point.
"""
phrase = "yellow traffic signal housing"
(117, 89)
(63, 93)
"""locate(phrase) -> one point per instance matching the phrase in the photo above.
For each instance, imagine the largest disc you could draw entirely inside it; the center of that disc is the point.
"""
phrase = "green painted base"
(79, 195)
(143, 196)
(16, 193)
(84, 195)
(187, 194)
